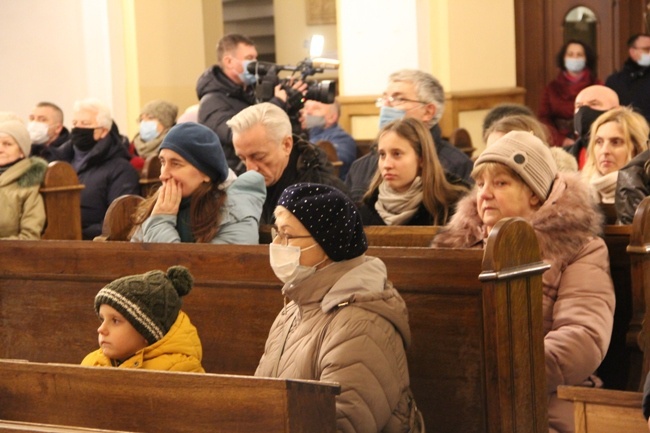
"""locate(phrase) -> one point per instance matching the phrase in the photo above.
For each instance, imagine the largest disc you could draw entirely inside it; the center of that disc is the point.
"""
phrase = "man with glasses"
(417, 94)
(632, 82)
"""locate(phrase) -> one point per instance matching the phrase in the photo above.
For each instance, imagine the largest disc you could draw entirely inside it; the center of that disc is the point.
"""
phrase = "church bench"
(61, 192)
(476, 361)
(604, 410)
(161, 401)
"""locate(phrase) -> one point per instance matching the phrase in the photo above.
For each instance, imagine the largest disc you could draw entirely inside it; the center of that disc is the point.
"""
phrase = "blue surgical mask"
(246, 77)
(644, 60)
(388, 114)
(148, 130)
(312, 121)
(574, 65)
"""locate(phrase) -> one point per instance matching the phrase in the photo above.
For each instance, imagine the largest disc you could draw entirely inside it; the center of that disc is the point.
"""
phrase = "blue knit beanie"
(329, 216)
(200, 146)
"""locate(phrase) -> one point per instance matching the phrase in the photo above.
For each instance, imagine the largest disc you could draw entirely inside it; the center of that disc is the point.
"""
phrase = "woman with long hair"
(410, 187)
(200, 199)
(617, 136)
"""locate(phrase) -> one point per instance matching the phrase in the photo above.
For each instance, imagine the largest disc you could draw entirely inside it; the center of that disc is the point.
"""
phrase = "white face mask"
(38, 132)
(644, 60)
(285, 262)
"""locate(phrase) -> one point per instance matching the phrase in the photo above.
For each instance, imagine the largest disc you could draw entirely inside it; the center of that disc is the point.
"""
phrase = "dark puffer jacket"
(106, 174)
(220, 99)
(632, 186)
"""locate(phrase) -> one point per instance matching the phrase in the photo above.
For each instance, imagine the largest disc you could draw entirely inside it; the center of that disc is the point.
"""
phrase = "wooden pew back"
(150, 176)
(160, 401)
(118, 221)
(61, 193)
(476, 362)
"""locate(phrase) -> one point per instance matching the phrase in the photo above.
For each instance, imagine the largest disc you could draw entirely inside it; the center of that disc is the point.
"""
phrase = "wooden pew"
(32, 427)
(160, 401)
(476, 362)
(118, 220)
(150, 176)
(604, 410)
(61, 193)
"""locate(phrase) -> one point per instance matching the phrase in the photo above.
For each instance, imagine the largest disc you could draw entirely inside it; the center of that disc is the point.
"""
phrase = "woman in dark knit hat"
(200, 199)
(345, 323)
(516, 176)
(142, 325)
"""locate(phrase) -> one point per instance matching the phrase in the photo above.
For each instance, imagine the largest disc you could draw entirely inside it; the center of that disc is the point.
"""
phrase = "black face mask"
(583, 119)
(82, 138)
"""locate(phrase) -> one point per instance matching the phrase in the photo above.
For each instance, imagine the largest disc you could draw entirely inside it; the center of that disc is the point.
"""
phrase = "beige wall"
(168, 45)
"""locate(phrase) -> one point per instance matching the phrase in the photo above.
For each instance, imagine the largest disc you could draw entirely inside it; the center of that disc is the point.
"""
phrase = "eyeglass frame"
(643, 49)
(395, 101)
(275, 232)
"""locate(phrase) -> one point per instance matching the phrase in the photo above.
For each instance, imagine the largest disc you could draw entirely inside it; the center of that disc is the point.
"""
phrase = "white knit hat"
(18, 131)
(527, 156)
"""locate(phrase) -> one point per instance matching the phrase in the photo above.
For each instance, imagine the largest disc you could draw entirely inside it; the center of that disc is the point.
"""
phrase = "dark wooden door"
(540, 32)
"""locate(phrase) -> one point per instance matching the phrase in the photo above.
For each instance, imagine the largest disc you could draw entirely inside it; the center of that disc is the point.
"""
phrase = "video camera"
(267, 74)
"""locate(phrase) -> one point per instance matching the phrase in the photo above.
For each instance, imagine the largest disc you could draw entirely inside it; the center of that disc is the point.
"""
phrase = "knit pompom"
(181, 278)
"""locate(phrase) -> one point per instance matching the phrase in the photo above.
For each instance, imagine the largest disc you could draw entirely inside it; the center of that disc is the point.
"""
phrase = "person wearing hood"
(100, 156)
(590, 103)
(227, 88)
(142, 324)
(345, 322)
(23, 212)
(632, 82)
(516, 176)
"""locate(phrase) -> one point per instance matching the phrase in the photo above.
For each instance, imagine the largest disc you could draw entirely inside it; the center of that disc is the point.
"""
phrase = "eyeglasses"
(284, 238)
(392, 101)
(644, 49)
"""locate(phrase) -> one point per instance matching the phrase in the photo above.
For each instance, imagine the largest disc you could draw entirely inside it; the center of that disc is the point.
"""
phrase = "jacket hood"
(563, 224)
(28, 172)
(214, 80)
(360, 282)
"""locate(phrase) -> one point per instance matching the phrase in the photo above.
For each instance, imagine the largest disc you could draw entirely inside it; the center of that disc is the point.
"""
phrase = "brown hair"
(436, 189)
(205, 211)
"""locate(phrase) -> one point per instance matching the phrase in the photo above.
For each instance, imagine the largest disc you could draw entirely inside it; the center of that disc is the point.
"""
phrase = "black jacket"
(39, 149)
(307, 163)
(632, 85)
(106, 174)
(632, 186)
(220, 99)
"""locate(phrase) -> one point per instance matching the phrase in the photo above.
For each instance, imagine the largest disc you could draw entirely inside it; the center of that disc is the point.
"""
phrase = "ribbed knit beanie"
(150, 301)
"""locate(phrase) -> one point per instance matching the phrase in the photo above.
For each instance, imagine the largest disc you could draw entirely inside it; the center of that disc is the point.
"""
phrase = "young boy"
(142, 325)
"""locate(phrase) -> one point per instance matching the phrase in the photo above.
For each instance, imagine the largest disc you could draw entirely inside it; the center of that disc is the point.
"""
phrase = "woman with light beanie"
(142, 325)
(200, 199)
(156, 119)
(516, 176)
(345, 323)
(23, 212)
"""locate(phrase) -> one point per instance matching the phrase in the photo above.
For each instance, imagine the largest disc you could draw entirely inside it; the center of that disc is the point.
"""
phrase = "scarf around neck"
(396, 208)
(605, 186)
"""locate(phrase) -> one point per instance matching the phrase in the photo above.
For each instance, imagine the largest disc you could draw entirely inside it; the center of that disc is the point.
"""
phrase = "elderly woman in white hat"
(517, 177)
(23, 213)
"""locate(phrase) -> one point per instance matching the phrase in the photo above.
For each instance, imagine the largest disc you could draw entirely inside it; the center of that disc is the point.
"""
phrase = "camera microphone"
(323, 63)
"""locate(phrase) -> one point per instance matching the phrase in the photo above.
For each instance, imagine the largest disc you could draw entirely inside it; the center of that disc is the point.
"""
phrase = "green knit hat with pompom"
(150, 301)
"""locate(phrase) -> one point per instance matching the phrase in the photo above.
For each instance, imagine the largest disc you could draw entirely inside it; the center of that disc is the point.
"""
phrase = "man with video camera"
(227, 88)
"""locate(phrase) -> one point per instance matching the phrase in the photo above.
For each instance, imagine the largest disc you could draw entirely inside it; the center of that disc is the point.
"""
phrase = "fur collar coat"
(578, 303)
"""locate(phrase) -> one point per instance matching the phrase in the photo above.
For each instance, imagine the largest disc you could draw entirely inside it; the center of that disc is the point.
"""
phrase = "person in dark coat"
(411, 93)
(577, 62)
(227, 88)
(632, 186)
(263, 140)
(46, 127)
(632, 82)
(100, 156)
(410, 187)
